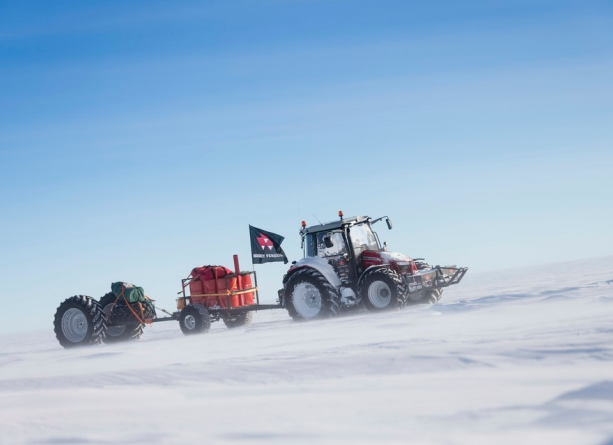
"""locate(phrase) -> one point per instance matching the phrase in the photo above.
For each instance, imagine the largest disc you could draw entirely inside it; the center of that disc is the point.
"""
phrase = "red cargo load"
(245, 283)
(195, 287)
(218, 286)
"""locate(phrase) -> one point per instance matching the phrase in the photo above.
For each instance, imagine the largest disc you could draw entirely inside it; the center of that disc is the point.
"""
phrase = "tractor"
(344, 265)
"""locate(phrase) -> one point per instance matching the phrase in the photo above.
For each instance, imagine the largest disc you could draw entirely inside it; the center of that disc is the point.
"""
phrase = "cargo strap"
(228, 293)
(141, 319)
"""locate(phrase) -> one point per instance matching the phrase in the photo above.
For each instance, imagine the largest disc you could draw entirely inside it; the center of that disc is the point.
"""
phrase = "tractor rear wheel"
(194, 319)
(117, 333)
(309, 295)
(236, 321)
(79, 321)
(382, 289)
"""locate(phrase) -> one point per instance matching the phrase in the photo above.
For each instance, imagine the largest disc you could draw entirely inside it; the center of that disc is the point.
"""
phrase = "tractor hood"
(378, 257)
(385, 256)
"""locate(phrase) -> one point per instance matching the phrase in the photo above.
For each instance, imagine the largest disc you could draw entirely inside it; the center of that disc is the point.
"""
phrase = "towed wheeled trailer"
(216, 293)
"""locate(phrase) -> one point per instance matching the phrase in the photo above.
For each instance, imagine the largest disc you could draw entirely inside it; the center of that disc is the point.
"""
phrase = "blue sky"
(139, 139)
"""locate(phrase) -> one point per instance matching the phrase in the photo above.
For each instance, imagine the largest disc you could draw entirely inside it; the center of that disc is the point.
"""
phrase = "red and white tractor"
(345, 265)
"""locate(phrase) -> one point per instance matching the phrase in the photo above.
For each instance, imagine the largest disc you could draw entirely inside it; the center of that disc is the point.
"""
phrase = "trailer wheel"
(194, 319)
(239, 320)
(382, 289)
(309, 295)
(118, 333)
(79, 321)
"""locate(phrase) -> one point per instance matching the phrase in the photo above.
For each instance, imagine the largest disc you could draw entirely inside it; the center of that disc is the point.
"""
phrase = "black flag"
(266, 246)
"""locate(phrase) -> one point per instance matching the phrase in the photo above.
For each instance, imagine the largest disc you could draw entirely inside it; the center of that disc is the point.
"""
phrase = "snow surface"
(514, 357)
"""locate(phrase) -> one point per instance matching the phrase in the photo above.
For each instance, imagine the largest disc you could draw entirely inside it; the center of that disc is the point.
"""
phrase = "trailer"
(215, 293)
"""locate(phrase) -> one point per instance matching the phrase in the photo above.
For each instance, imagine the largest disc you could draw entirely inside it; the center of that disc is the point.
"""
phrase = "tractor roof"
(337, 224)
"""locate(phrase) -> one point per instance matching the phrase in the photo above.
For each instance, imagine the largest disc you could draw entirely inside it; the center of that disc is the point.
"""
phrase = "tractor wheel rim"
(307, 300)
(74, 325)
(189, 322)
(379, 294)
(113, 331)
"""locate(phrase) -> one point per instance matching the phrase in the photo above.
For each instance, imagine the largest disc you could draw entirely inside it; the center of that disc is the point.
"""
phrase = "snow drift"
(521, 356)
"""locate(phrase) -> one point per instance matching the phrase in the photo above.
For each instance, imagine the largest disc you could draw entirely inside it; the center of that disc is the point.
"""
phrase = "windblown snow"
(515, 357)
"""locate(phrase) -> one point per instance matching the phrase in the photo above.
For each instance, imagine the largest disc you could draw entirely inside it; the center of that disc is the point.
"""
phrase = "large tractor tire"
(194, 319)
(120, 333)
(382, 289)
(425, 297)
(435, 296)
(236, 321)
(309, 295)
(79, 321)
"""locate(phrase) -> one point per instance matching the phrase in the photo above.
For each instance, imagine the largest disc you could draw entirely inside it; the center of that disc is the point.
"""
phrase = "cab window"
(338, 244)
(362, 239)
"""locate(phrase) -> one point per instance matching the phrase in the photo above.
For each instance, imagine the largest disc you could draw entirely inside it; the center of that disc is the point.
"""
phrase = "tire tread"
(331, 300)
(94, 315)
(399, 288)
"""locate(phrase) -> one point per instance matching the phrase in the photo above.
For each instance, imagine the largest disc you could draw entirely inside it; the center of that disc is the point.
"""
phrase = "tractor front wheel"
(194, 319)
(425, 297)
(435, 296)
(382, 289)
(79, 321)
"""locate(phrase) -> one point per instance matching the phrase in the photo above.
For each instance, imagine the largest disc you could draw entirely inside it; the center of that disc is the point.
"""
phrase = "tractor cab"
(343, 244)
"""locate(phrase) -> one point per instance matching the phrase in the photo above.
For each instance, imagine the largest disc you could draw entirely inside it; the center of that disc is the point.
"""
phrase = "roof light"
(340, 214)
(303, 223)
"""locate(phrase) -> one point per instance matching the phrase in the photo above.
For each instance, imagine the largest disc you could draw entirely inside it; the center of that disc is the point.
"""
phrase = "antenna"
(317, 219)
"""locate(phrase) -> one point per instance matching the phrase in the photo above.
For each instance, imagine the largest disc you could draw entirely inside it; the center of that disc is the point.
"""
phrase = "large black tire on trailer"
(194, 319)
(79, 321)
(382, 289)
(238, 320)
(118, 333)
(309, 295)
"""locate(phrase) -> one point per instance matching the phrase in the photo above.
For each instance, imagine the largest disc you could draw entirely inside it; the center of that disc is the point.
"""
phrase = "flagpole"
(255, 275)
(262, 239)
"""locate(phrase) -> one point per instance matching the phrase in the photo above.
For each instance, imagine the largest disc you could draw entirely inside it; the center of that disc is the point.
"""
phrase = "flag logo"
(266, 246)
(264, 242)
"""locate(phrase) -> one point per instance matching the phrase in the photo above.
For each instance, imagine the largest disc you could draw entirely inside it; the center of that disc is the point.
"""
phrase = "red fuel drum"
(214, 286)
(245, 283)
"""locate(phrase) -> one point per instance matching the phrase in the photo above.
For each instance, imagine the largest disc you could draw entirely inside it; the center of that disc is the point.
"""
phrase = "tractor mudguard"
(321, 265)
